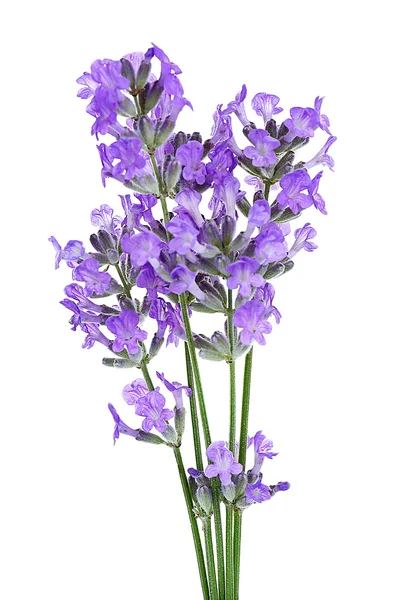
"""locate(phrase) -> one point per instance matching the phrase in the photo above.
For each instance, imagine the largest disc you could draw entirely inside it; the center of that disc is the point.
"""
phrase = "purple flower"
(190, 156)
(222, 164)
(221, 130)
(184, 279)
(323, 120)
(257, 492)
(237, 107)
(262, 449)
(96, 282)
(184, 236)
(270, 244)
(103, 219)
(149, 280)
(128, 334)
(293, 184)
(265, 105)
(262, 152)
(71, 253)
(142, 247)
(251, 317)
(151, 406)
(229, 194)
(243, 274)
(302, 122)
(188, 203)
(322, 157)
(259, 214)
(120, 426)
(94, 335)
(176, 389)
(282, 486)
(223, 461)
(266, 294)
(314, 194)
(302, 237)
(129, 157)
(133, 392)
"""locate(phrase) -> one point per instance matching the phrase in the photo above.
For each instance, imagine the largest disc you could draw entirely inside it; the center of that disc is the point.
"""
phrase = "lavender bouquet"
(191, 240)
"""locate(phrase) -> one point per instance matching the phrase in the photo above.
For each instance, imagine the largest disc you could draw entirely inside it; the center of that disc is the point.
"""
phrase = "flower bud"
(283, 130)
(229, 492)
(221, 344)
(145, 132)
(106, 239)
(274, 270)
(171, 173)
(180, 420)
(150, 96)
(143, 73)
(155, 346)
(96, 243)
(241, 482)
(113, 256)
(228, 226)
(118, 363)
(170, 435)
(149, 438)
(178, 140)
(271, 128)
(128, 72)
(163, 131)
(196, 137)
(244, 206)
(204, 499)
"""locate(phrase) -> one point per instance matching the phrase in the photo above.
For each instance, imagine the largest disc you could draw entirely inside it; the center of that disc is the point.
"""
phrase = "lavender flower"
(176, 389)
(188, 201)
(282, 486)
(266, 294)
(142, 247)
(184, 235)
(229, 194)
(293, 185)
(251, 317)
(302, 122)
(190, 156)
(134, 391)
(315, 196)
(183, 280)
(262, 449)
(73, 251)
(94, 334)
(265, 105)
(152, 408)
(224, 465)
(322, 157)
(128, 334)
(120, 426)
(103, 218)
(302, 240)
(257, 492)
(96, 282)
(243, 274)
(237, 106)
(270, 244)
(262, 152)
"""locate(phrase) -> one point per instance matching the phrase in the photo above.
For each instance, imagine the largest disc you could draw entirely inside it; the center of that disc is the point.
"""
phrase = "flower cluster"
(193, 235)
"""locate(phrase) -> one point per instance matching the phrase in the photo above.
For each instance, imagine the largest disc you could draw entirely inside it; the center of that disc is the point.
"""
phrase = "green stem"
(196, 370)
(243, 441)
(267, 188)
(194, 527)
(207, 438)
(231, 338)
(146, 375)
(162, 195)
(125, 284)
(229, 542)
(210, 559)
(246, 394)
(237, 551)
(232, 440)
(193, 411)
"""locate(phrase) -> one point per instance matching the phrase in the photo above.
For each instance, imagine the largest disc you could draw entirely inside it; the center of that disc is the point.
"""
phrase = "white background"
(83, 519)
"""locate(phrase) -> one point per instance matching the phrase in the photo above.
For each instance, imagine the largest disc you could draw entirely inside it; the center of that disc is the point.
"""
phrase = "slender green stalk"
(243, 440)
(229, 543)
(126, 285)
(212, 578)
(237, 551)
(246, 394)
(232, 440)
(193, 411)
(196, 370)
(207, 438)
(162, 196)
(267, 188)
(188, 499)
(231, 338)
(194, 528)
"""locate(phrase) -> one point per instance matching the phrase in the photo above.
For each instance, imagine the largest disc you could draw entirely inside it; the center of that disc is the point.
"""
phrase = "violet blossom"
(72, 253)
(224, 465)
(128, 335)
(151, 406)
(96, 282)
(251, 318)
(257, 492)
(243, 275)
(190, 156)
(293, 186)
(262, 449)
(183, 280)
(262, 152)
(303, 235)
(265, 105)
